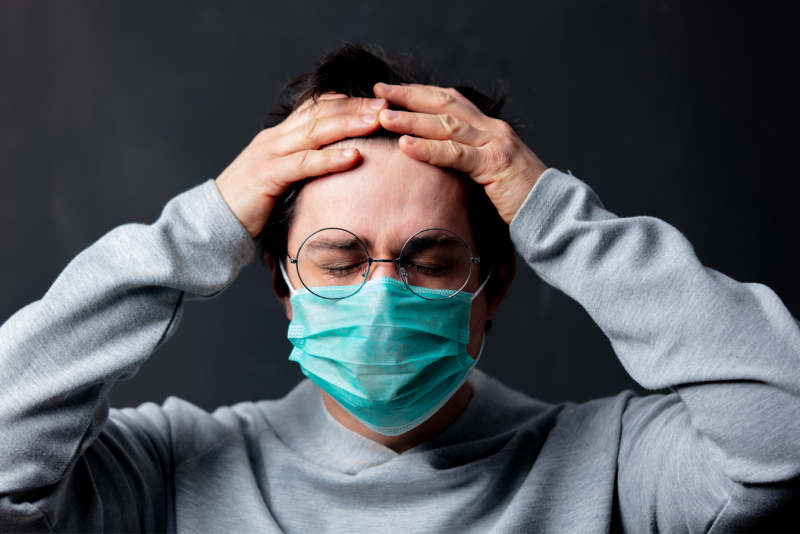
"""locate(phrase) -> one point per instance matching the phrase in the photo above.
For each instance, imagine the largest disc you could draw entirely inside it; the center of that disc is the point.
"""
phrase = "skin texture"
(385, 193)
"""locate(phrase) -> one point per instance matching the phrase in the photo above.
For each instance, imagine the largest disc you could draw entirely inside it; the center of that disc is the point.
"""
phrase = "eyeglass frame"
(403, 276)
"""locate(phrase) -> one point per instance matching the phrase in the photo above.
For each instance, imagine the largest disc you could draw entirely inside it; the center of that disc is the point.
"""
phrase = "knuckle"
(261, 151)
(326, 157)
(262, 137)
(359, 105)
(509, 144)
(444, 99)
(455, 93)
(318, 108)
(306, 109)
(309, 129)
(504, 128)
(450, 125)
(456, 150)
(303, 160)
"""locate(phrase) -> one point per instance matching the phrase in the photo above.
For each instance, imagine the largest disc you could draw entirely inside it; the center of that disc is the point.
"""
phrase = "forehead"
(384, 200)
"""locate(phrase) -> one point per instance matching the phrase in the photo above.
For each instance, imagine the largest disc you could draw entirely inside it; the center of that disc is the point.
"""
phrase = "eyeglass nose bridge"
(396, 262)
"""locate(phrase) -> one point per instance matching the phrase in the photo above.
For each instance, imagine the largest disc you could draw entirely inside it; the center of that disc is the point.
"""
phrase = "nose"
(386, 268)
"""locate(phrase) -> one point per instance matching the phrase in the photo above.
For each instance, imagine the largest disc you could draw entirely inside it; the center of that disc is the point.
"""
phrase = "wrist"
(516, 190)
(248, 207)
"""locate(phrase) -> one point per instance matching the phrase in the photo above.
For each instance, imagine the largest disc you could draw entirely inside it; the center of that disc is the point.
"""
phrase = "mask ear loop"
(478, 357)
(292, 291)
(483, 341)
(478, 292)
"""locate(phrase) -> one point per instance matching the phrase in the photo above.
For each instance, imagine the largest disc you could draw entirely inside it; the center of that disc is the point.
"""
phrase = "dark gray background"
(685, 111)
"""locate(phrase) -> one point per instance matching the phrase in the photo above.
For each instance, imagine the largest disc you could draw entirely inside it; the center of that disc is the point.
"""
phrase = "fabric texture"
(720, 453)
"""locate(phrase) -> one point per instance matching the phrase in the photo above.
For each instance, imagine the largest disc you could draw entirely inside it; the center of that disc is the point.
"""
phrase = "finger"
(331, 106)
(313, 101)
(437, 127)
(315, 133)
(328, 107)
(308, 163)
(303, 110)
(449, 90)
(435, 102)
(251, 189)
(450, 154)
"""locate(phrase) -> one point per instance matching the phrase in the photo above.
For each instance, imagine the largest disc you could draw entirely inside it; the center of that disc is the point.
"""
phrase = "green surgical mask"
(387, 356)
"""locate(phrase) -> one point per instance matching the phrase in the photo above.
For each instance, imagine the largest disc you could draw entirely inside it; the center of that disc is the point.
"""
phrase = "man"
(389, 266)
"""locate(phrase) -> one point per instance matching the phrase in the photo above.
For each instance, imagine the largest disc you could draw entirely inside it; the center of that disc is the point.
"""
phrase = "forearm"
(731, 350)
(106, 313)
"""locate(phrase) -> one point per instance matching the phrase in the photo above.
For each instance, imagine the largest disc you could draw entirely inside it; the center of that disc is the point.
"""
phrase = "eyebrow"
(353, 244)
(433, 241)
(334, 244)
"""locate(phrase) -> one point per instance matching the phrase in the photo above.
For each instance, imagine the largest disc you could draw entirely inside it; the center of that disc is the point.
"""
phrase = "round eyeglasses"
(433, 259)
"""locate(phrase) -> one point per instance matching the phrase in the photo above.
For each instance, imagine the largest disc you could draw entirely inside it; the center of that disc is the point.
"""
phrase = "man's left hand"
(445, 129)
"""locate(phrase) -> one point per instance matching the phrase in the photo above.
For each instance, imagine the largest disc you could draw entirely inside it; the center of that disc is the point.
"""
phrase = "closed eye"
(343, 270)
(427, 270)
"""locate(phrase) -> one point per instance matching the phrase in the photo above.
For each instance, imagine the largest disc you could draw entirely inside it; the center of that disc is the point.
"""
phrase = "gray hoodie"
(720, 453)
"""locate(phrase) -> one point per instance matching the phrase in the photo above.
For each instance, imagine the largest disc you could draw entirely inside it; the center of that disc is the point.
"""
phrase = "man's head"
(389, 196)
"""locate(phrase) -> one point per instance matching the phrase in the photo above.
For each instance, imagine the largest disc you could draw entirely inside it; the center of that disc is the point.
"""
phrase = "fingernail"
(386, 88)
(347, 153)
(370, 118)
(377, 104)
(411, 140)
(392, 114)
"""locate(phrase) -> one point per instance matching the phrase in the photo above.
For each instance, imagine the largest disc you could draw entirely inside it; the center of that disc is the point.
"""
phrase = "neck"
(437, 422)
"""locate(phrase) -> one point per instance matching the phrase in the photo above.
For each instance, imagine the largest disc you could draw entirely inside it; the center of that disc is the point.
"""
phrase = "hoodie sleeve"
(63, 464)
(722, 445)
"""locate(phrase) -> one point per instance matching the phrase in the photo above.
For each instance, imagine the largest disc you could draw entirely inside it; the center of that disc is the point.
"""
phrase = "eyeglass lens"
(435, 259)
(334, 263)
(332, 257)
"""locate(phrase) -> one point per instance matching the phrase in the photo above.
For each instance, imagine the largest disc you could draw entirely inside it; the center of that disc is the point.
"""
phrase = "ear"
(279, 285)
(505, 270)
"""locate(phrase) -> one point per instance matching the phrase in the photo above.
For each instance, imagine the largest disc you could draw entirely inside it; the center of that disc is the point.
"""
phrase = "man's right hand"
(288, 152)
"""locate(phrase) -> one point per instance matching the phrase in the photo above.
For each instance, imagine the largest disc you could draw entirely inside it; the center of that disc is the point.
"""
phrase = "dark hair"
(354, 70)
